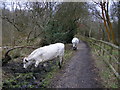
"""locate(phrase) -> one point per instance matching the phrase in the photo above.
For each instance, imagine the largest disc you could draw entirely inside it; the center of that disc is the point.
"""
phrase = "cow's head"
(26, 62)
(74, 48)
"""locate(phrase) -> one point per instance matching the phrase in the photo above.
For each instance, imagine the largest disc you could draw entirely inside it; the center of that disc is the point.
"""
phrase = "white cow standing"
(75, 42)
(45, 53)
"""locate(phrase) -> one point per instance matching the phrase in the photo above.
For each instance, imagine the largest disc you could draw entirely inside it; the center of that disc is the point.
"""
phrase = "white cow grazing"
(45, 53)
(75, 42)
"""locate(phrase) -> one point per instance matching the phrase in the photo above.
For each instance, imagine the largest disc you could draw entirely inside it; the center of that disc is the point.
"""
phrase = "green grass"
(48, 78)
(12, 81)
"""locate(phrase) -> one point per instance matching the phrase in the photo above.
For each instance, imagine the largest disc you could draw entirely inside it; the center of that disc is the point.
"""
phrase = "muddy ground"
(15, 76)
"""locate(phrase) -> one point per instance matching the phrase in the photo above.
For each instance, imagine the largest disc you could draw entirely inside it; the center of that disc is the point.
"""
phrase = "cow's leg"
(37, 63)
(75, 47)
(60, 62)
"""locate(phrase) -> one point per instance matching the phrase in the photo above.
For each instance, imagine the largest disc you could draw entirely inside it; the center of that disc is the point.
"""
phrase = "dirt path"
(79, 72)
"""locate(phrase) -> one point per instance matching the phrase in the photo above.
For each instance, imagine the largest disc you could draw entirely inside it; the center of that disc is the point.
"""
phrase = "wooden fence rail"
(108, 51)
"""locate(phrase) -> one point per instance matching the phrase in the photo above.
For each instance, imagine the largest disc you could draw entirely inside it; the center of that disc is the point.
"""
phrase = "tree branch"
(7, 57)
(11, 23)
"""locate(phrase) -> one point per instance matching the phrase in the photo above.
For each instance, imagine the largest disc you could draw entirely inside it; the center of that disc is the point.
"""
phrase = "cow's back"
(75, 40)
(61, 47)
(52, 51)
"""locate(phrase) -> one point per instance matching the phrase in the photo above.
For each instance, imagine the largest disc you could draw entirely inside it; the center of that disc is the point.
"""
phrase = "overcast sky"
(9, 2)
(21, 2)
(54, 0)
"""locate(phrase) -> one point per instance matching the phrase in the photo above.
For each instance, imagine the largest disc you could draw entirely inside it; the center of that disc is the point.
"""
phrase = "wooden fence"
(108, 51)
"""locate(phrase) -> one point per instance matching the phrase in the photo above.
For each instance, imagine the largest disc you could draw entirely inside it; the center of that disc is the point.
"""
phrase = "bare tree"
(104, 15)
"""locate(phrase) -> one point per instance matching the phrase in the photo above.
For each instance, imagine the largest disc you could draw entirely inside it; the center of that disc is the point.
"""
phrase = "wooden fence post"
(103, 50)
(111, 48)
(118, 59)
(100, 48)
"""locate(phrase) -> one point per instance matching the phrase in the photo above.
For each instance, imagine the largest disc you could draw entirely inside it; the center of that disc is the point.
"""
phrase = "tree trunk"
(105, 24)
(109, 24)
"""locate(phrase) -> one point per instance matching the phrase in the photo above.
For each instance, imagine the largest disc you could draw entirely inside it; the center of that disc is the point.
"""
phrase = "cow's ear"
(26, 60)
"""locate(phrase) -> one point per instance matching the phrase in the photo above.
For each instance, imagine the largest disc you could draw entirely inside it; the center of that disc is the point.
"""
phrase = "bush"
(56, 32)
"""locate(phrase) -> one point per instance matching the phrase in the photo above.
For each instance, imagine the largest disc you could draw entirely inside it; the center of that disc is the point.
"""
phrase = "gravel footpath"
(79, 72)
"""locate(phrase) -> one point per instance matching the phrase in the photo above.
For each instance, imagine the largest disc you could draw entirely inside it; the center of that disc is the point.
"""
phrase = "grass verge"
(108, 78)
